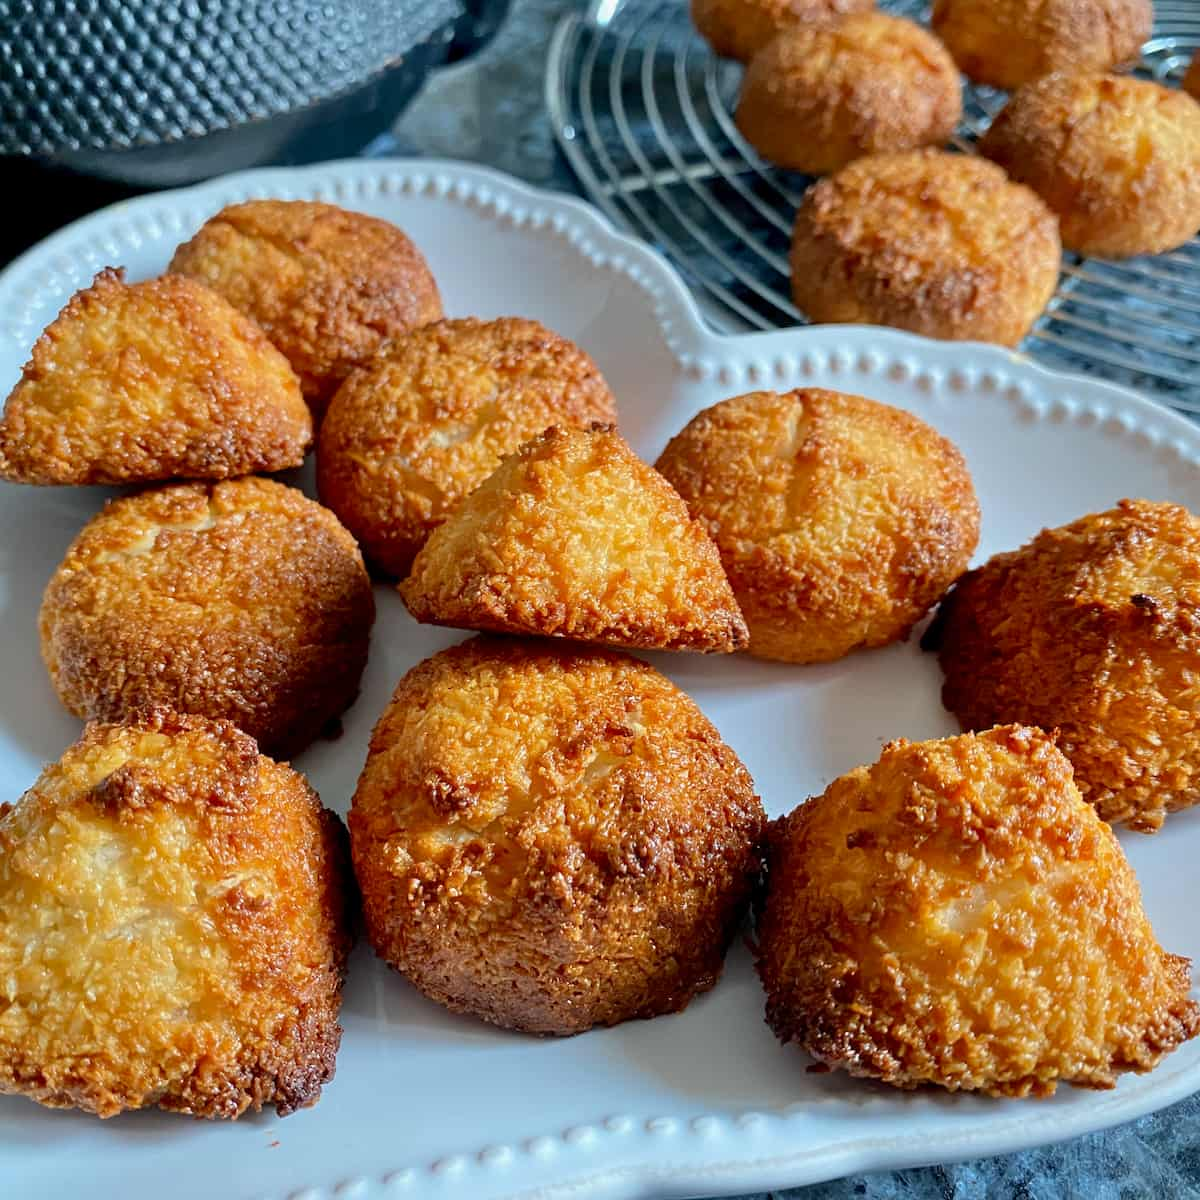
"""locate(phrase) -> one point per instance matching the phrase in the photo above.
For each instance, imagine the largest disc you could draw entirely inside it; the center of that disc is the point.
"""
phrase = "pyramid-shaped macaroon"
(162, 379)
(574, 536)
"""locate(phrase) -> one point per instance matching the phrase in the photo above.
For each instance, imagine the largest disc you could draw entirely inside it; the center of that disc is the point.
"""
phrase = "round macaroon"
(1117, 159)
(956, 915)
(243, 601)
(817, 97)
(407, 438)
(1006, 43)
(839, 521)
(1092, 629)
(551, 837)
(936, 243)
(740, 28)
(328, 286)
(177, 916)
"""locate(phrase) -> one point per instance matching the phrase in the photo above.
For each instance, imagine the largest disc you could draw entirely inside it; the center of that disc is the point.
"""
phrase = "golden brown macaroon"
(741, 28)
(840, 521)
(956, 915)
(163, 379)
(574, 536)
(406, 439)
(173, 926)
(1191, 80)
(241, 600)
(1007, 43)
(328, 286)
(817, 97)
(1092, 629)
(1117, 159)
(551, 837)
(935, 243)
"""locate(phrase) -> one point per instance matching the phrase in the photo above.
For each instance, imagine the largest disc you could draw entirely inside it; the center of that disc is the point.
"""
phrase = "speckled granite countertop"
(490, 111)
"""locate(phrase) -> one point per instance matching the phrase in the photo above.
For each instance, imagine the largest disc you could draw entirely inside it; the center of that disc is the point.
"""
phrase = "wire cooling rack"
(644, 113)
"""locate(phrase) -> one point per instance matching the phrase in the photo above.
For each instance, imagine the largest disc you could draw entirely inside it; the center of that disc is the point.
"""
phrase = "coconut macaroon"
(939, 244)
(839, 521)
(957, 915)
(574, 536)
(820, 96)
(1092, 629)
(741, 28)
(1006, 43)
(241, 600)
(134, 382)
(431, 419)
(328, 286)
(175, 926)
(1117, 159)
(551, 837)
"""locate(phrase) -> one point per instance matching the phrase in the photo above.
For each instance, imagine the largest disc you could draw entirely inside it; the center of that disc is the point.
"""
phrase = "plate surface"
(426, 1104)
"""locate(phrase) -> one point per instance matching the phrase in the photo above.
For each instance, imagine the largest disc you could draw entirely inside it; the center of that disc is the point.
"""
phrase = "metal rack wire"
(644, 113)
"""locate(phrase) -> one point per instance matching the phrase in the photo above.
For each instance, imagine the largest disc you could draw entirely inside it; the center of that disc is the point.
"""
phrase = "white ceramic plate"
(426, 1104)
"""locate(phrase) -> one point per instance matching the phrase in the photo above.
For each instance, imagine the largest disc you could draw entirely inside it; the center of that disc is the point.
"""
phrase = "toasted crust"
(741, 28)
(1007, 43)
(551, 837)
(1092, 629)
(1191, 80)
(574, 536)
(175, 926)
(957, 915)
(328, 286)
(817, 97)
(935, 243)
(242, 600)
(839, 521)
(405, 440)
(1117, 159)
(154, 380)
